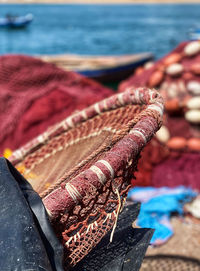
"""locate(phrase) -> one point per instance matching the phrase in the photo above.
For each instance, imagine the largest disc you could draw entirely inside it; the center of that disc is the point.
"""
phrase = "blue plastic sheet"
(158, 204)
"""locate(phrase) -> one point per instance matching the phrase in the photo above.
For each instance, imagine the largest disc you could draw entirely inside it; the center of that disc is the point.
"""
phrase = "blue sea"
(99, 29)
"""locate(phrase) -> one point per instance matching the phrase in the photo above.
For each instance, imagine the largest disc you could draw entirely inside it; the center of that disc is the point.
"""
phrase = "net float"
(177, 143)
(194, 144)
(194, 87)
(171, 59)
(193, 103)
(139, 70)
(156, 78)
(193, 116)
(192, 48)
(163, 134)
(172, 105)
(148, 65)
(174, 69)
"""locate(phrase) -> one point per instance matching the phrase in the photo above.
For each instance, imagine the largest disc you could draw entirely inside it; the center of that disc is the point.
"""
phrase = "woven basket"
(82, 167)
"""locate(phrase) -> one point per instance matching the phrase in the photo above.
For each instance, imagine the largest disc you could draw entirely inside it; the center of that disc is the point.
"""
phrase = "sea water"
(99, 29)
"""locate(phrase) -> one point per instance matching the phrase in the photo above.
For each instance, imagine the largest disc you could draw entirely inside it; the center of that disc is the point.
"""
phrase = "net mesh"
(82, 167)
(35, 95)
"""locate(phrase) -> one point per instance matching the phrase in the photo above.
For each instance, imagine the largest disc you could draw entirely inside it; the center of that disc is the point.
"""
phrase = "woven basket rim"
(149, 116)
(115, 101)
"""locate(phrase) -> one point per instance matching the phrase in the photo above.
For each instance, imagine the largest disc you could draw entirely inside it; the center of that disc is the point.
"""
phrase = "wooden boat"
(101, 68)
(16, 21)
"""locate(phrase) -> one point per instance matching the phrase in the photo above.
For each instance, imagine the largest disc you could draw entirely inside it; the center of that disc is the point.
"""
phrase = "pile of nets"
(176, 148)
(35, 95)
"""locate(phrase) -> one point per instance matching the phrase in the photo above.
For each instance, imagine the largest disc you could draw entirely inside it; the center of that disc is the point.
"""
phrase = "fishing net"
(82, 167)
(176, 147)
(35, 95)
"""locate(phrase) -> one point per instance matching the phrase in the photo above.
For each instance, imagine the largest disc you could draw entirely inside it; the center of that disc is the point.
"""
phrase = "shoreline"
(99, 2)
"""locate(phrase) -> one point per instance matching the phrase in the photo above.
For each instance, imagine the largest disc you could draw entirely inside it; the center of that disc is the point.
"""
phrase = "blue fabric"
(158, 204)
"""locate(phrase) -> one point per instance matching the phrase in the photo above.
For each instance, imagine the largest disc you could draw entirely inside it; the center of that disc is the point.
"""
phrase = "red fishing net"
(35, 94)
(173, 71)
(82, 167)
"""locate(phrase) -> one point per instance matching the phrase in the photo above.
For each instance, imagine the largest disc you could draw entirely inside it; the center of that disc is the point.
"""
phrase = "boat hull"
(105, 69)
(16, 22)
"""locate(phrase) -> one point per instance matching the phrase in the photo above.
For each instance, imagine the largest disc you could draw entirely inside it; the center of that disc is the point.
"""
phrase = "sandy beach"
(101, 1)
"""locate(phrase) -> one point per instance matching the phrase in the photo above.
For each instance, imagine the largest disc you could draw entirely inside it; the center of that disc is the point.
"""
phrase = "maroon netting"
(177, 78)
(35, 94)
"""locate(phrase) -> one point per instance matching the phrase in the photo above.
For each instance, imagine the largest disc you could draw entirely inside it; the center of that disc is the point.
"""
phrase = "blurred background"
(107, 29)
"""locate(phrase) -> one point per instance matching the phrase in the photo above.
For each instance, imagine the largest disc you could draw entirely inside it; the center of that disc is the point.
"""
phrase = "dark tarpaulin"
(27, 241)
(125, 252)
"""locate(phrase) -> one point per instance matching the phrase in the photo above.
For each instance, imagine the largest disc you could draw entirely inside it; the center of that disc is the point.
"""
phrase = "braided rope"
(130, 96)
